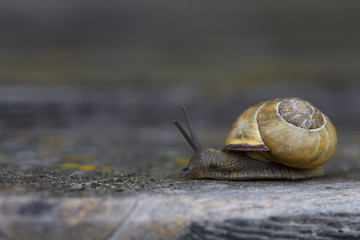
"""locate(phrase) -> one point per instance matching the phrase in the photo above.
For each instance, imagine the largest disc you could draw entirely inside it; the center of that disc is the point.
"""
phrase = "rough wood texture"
(84, 179)
(281, 210)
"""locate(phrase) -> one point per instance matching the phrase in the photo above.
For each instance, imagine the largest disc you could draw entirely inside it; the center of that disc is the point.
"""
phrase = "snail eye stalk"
(184, 133)
(192, 139)
(191, 129)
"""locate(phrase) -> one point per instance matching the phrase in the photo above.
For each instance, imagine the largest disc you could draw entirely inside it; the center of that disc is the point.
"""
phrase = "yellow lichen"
(181, 161)
(87, 167)
(81, 167)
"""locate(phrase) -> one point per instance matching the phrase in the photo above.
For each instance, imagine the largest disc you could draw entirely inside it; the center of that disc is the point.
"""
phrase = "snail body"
(286, 138)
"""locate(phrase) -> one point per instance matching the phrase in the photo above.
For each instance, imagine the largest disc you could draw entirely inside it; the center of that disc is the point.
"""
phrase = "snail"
(285, 138)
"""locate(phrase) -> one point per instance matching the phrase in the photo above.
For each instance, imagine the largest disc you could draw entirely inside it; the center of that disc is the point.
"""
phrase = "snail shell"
(290, 131)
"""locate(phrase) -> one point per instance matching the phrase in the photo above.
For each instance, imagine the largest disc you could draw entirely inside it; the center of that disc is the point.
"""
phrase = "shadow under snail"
(286, 138)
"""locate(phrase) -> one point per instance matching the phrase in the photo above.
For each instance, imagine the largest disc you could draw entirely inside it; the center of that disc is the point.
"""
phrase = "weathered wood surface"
(100, 173)
(314, 209)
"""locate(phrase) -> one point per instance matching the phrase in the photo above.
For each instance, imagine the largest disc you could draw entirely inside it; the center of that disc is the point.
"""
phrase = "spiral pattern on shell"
(290, 131)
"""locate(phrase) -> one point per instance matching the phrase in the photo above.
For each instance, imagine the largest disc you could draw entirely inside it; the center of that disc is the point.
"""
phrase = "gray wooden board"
(95, 165)
(316, 209)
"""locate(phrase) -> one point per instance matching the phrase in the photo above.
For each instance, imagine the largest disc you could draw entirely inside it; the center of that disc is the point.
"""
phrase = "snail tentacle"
(191, 129)
(184, 133)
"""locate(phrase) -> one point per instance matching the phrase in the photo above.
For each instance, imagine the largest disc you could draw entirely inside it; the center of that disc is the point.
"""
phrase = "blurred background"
(130, 65)
(179, 42)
